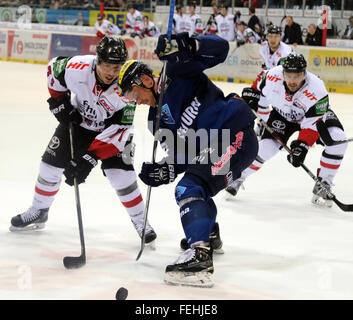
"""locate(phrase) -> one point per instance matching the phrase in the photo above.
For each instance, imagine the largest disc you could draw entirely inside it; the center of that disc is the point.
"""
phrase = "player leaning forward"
(84, 91)
(192, 104)
(299, 100)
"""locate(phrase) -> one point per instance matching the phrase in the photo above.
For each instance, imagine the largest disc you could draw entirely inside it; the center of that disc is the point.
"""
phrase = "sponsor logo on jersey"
(54, 143)
(231, 150)
(278, 124)
(77, 65)
(188, 117)
(128, 113)
(166, 115)
(321, 106)
(59, 66)
(273, 78)
(309, 95)
(105, 105)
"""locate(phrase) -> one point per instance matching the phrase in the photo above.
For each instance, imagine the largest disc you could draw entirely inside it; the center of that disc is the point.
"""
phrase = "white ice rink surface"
(277, 244)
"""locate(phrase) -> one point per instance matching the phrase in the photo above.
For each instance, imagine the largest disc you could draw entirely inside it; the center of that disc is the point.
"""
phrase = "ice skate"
(193, 267)
(150, 234)
(320, 197)
(215, 241)
(32, 219)
(233, 188)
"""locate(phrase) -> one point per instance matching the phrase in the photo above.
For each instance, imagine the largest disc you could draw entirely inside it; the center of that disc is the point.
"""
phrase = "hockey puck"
(121, 294)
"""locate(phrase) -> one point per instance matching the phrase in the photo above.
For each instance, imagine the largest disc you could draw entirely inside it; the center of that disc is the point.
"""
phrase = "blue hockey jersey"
(192, 101)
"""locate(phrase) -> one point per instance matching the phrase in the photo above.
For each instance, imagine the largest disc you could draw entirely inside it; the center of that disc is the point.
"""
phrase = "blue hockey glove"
(299, 150)
(156, 174)
(180, 48)
(80, 168)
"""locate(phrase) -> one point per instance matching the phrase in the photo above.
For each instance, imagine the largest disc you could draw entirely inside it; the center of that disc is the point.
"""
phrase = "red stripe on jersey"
(261, 112)
(57, 94)
(254, 167)
(329, 166)
(103, 150)
(309, 136)
(132, 203)
(46, 193)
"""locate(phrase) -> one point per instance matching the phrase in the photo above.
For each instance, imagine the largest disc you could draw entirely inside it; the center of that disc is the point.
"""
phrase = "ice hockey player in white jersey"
(299, 100)
(149, 29)
(104, 27)
(133, 21)
(246, 35)
(225, 24)
(84, 91)
(179, 20)
(194, 22)
(273, 50)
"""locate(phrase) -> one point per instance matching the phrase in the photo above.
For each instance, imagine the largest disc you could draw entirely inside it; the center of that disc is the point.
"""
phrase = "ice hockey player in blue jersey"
(193, 106)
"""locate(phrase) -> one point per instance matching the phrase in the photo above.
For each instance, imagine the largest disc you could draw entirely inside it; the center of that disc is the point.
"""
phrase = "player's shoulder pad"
(317, 85)
(275, 74)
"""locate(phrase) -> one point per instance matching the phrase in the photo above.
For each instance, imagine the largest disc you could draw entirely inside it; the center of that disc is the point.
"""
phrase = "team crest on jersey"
(179, 190)
(166, 115)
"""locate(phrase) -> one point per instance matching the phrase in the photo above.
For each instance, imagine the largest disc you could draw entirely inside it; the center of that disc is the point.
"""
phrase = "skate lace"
(30, 215)
(186, 256)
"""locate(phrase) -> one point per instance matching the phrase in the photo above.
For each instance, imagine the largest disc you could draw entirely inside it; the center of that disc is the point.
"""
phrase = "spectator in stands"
(80, 20)
(292, 32)
(211, 26)
(253, 19)
(314, 37)
(133, 21)
(348, 33)
(149, 29)
(179, 20)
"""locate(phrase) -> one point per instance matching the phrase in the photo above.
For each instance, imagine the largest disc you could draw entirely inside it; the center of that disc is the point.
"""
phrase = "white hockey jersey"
(272, 60)
(248, 36)
(150, 30)
(133, 22)
(106, 28)
(194, 24)
(76, 76)
(179, 23)
(226, 27)
(306, 106)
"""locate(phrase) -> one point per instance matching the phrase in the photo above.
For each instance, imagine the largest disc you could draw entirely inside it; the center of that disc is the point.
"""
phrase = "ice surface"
(277, 244)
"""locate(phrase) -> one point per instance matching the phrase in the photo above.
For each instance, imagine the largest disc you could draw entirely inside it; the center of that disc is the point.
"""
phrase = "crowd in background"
(228, 26)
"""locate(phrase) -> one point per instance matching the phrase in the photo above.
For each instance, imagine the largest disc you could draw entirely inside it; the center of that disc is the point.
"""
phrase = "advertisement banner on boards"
(115, 17)
(335, 67)
(3, 43)
(89, 45)
(28, 45)
(65, 45)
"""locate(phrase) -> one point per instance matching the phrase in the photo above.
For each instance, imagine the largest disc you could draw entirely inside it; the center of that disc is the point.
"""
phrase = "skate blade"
(218, 251)
(31, 227)
(321, 202)
(189, 279)
(151, 245)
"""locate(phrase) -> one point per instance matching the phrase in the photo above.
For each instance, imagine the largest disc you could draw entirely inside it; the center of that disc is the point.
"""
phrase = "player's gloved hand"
(63, 110)
(251, 96)
(156, 174)
(180, 48)
(299, 150)
(80, 168)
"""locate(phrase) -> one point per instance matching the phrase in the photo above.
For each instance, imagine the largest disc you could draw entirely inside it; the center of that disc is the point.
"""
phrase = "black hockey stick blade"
(343, 206)
(74, 262)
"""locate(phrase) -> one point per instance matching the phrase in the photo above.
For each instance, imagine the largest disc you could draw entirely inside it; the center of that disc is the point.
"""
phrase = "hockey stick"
(331, 196)
(80, 261)
(158, 119)
(326, 137)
